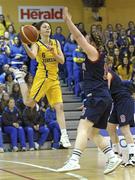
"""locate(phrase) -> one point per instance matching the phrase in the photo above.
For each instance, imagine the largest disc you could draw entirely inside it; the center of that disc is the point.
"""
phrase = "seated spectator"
(11, 121)
(9, 82)
(11, 30)
(4, 102)
(117, 60)
(34, 123)
(2, 90)
(16, 93)
(125, 69)
(81, 28)
(50, 119)
(17, 53)
(1, 138)
(3, 24)
(4, 72)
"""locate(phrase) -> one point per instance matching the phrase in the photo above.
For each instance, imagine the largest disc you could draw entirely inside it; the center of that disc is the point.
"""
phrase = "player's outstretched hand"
(66, 15)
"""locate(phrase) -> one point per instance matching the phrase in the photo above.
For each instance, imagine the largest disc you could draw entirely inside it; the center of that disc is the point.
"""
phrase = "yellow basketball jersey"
(46, 61)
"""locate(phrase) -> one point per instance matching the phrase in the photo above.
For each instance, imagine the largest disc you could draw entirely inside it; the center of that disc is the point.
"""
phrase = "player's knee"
(111, 128)
(59, 107)
(94, 133)
(125, 130)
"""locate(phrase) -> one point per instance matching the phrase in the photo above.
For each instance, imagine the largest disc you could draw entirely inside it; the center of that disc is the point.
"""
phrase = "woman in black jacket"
(33, 123)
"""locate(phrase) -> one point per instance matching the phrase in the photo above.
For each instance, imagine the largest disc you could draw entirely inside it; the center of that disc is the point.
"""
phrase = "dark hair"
(3, 22)
(39, 24)
(14, 31)
(123, 65)
(7, 75)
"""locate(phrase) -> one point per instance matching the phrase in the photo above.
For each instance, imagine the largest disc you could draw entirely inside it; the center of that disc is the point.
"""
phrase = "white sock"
(116, 148)
(63, 132)
(108, 152)
(20, 80)
(131, 149)
(76, 155)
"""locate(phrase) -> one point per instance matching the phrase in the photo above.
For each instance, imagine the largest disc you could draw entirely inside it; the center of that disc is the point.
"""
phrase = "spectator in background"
(78, 58)
(93, 28)
(11, 121)
(110, 47)
(115, 38)
(4, 53)
(123, 41)
(131, 52)
(110, 29)
(116, 59)
(50, 119)
(132, 37)
(2, 24)
(81, 28)
(125, 69)
(69, 47)
(16, 93)
(11, 30)
(17, 53)
(4, 72)
(9, 82)
(1, 138)
(131, 27)
(4, 102)
(34, 123)
(2, 90)
(59, 36)
(118, 28)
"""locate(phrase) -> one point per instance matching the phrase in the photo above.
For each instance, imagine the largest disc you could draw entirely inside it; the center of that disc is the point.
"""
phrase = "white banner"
(40, 13)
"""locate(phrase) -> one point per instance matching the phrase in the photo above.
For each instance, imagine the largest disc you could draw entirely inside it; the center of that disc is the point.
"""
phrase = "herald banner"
(40, 13)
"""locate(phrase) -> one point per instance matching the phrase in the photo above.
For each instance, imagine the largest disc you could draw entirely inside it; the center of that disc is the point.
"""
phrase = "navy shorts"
(123, 112)
(97, 110)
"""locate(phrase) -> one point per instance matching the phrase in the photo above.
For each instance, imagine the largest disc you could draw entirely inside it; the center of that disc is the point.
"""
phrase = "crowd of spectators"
(20, 122)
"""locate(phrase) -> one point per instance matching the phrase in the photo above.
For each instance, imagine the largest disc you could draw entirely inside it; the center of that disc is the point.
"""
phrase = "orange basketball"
(29, 34)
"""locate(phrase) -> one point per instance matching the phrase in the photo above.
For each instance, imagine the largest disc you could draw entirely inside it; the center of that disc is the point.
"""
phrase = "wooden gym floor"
(41, 165)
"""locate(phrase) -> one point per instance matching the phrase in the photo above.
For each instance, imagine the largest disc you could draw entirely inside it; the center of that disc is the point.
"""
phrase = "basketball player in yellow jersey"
(48, 54)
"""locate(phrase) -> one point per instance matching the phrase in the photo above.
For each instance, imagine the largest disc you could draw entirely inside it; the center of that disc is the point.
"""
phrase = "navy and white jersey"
(95, 81)
(118, 89)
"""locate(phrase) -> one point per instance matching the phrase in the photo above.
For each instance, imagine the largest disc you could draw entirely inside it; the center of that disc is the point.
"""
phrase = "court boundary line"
(46, 168)
(17, 174)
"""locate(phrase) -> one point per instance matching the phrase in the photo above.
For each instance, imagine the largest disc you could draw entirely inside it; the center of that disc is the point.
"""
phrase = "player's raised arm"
(90, 50)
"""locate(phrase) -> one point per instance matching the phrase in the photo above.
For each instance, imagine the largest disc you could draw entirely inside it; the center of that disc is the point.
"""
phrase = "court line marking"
(14, 173)
(47, 168)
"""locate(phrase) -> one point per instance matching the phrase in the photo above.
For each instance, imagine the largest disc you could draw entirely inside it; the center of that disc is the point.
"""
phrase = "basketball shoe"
(64, 141)
(112, 164)
(70, 165)
(131, 161)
